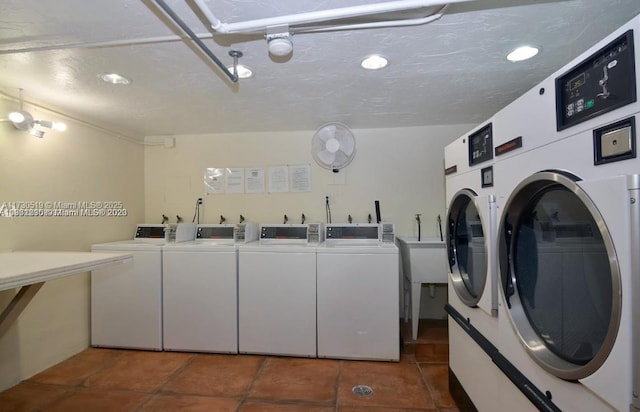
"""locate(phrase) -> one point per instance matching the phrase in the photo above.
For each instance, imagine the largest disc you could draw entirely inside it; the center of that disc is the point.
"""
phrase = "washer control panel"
(354, 232)
(149, 231)
(215, 231)
(291, 233)
(284, 232)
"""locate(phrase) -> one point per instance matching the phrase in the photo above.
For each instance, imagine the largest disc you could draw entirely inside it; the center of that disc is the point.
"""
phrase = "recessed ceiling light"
(522, 53)
(243, 71)
(114, 78)
(374, 62)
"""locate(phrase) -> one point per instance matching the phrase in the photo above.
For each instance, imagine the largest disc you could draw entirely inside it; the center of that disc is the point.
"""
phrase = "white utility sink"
(423, 261)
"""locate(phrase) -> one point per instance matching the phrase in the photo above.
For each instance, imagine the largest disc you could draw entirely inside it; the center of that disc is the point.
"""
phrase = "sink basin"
(423, 261)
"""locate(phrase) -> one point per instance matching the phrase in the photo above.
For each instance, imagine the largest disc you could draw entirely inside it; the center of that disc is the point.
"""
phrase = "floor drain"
(362, 390)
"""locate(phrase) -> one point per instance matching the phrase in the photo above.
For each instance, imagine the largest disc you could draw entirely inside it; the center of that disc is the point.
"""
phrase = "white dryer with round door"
(277, 291)
(471, 226)
(200, 291)
(357, 296)
(126, 300)
(568, 238)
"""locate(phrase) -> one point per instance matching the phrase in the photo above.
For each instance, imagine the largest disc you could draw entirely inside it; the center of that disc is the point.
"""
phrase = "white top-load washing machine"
(568, 241)
(126, 300)
(200, 292)
(358, 297)
(277, 291)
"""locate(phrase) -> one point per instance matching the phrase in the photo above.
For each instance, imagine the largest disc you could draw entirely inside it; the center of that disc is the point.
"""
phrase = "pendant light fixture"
(24, 121)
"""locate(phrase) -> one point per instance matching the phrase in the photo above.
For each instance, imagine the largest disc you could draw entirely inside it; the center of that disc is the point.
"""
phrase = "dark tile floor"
(126, 380)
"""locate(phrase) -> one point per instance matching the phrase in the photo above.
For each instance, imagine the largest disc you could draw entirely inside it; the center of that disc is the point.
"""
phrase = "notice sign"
(214, 180)
(234, 180)
(278, 179)
(254, 180)
(300, 178)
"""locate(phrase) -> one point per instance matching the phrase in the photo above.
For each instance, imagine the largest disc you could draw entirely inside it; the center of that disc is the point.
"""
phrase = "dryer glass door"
(466, 247)
(559, 275)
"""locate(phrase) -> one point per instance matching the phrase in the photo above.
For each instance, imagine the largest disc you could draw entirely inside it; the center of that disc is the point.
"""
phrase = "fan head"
(333, 146)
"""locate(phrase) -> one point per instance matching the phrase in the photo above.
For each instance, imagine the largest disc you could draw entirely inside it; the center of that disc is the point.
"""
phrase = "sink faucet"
(418, 220)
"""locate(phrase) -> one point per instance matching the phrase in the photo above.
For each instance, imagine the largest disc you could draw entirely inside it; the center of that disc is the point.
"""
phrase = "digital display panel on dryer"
(603, 82)
(481, 145)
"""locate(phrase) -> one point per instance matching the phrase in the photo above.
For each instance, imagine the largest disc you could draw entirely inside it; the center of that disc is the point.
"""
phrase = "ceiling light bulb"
(522, 53)
(16, 117)
(59, 126)
(280, 46)
(374, 62)
(21, 120)
(114, 78)
(243, 71)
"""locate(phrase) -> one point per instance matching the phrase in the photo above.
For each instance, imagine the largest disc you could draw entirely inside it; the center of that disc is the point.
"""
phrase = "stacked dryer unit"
(357, 293)
(568, 241)
(277, 291)
(126, 300)
(200, 289)
(470, 237)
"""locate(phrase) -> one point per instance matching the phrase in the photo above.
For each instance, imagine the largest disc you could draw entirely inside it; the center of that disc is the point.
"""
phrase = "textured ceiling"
(449, 71)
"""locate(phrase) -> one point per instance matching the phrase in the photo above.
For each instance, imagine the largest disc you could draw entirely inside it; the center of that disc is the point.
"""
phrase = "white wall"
(402, 168)
(81, 164)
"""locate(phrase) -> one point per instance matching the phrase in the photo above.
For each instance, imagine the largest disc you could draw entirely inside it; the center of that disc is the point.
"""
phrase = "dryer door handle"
(509, 290)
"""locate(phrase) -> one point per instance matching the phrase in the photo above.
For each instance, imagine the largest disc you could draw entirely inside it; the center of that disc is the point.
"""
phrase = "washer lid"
(277, 248)
(127, 245)
(200, 246)
(355, 249)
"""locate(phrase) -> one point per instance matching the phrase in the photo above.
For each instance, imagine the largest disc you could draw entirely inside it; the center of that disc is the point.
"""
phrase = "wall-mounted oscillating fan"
(333, 146)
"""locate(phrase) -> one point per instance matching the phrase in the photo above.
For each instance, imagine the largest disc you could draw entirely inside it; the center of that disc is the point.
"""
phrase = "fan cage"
(333, 160)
